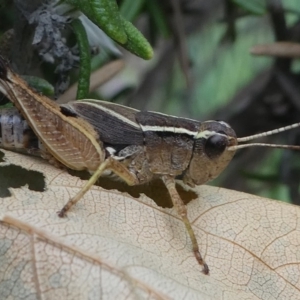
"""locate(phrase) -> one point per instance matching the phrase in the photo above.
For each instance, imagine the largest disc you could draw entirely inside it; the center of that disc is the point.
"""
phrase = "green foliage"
(105, 14)
(255, 7)
(159, 18)
(40, 84)
(136, 43)
(130, 9)
(85, 59)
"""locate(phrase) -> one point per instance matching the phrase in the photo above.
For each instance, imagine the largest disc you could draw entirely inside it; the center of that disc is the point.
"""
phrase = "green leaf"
(136, 42)
(85, 59)
(158, 17)
(105, 14)
(39, 84)
(7, 105)
(256, 7)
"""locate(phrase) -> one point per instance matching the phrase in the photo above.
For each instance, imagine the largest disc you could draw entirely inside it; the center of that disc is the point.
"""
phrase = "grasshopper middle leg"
(182, 211)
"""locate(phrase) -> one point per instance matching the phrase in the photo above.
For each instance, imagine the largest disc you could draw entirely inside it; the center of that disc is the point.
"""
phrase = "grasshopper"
(136, 146)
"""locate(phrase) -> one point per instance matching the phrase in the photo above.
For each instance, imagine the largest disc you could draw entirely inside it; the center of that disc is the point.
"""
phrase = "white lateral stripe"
(220, 122)
(99, 102)
(113, 113)
(168, 129)
(165, 115)
(205, 134)
(208, 133)
(195, 134)
(224, 123)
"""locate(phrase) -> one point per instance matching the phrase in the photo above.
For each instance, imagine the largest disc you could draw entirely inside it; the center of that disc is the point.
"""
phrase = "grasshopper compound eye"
(216, 137)
(215, 145)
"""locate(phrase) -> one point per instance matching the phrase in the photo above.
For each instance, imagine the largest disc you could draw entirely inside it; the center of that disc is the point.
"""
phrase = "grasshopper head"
(215, 145)
(210, 156)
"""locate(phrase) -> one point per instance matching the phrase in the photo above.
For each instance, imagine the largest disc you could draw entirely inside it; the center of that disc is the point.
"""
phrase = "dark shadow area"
(1, 156)
(155, 189)
(14, 177)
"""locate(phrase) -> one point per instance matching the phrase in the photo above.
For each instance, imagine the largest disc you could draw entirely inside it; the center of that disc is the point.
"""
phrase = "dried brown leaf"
(114, 246)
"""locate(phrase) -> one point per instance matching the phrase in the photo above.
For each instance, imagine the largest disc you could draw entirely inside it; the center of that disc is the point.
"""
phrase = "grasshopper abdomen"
(15, 134)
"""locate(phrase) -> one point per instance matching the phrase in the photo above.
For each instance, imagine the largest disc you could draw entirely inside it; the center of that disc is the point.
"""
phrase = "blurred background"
(231, 60)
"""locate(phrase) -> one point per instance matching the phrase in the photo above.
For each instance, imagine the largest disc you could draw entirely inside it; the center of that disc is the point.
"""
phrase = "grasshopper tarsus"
(205, 270)
(201, 262)
(62, 213)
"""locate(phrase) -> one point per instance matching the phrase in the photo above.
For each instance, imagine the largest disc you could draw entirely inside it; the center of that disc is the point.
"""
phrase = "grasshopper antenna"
(263, 134)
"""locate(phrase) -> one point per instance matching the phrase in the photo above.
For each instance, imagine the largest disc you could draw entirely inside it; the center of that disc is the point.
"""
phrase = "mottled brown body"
(152, 144)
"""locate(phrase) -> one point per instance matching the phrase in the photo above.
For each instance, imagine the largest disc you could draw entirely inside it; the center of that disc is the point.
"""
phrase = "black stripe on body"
(161, 122)
(113, 127)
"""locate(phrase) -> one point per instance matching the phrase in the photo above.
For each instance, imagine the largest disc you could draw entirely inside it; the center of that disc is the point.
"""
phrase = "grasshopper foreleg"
(110, 164)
